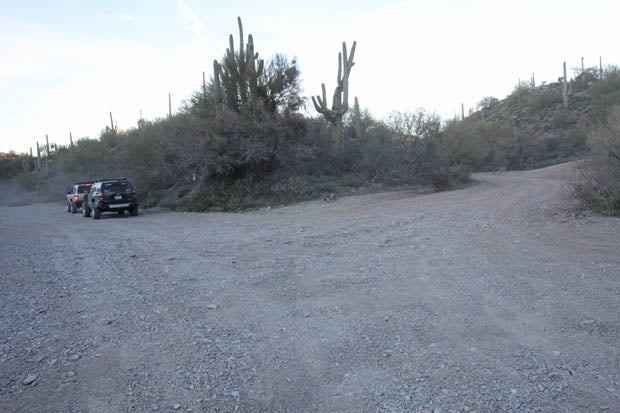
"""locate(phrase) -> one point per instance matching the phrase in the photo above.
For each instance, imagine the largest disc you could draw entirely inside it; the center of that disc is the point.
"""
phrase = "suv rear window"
(116, 187)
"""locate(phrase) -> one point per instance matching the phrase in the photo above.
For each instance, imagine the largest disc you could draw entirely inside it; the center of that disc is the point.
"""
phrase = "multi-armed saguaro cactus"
(236, 79)
(340, 102)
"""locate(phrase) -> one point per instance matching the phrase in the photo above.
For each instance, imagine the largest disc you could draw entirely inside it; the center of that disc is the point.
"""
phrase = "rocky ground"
(493, 298)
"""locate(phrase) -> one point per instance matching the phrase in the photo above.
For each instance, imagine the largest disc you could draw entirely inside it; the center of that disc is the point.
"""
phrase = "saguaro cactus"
(357, 118)
(38, 157)
(565, 89)
(112, 128)
(340, 101)
(47, 151)
(217, 84)
(236, 79)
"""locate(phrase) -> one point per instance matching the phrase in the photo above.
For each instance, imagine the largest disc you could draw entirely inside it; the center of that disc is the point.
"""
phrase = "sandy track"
(490, 298)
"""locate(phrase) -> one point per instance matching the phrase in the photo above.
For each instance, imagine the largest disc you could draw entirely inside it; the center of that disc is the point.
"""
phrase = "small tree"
(279, 89)
(487, 102)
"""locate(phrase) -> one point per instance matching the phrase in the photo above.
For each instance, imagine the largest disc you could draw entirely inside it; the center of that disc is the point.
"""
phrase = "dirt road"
(494, 298)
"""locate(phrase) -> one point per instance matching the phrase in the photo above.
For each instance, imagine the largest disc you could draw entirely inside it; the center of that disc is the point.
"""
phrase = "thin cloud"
(188, 14)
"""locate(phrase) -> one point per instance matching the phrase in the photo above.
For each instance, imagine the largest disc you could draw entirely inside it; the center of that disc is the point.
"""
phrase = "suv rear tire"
(133, 211)
(85, 211)
(97, 213)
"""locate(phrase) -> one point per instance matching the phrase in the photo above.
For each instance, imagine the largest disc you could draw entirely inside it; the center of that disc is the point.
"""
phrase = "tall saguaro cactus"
(565, 89)
(340, 101)
(237, 78)
(38, 157)
(357, 118)
(47, 152)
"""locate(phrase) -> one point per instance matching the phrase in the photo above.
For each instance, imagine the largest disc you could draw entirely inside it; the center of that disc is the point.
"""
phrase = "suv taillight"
(134, 194)
(100, 196)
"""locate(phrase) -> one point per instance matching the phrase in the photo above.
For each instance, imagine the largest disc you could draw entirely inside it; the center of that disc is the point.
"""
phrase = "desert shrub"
(576, 140)
(414, 145)
(150, 157)
(13, 164)
(378, 154)
(454, 153)
(487, 103)
(585, 79)
(518, 150)
(542, 98)
(290, 188)
(211, 197)
(424, 151)
(521, 95)
(418, 124)
(220, 195)
(599, 186)
(562, 118)
(88, 159)
(605, 93)
(471, 140)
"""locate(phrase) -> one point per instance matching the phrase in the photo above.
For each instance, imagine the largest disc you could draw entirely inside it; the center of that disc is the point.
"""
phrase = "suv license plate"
(117, 197)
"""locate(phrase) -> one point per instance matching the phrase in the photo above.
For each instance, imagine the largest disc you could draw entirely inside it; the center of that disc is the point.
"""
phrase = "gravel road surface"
(493, 298)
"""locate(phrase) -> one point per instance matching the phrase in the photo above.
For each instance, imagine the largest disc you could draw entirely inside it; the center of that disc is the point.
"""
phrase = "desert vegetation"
(599, 184)
(242, 141)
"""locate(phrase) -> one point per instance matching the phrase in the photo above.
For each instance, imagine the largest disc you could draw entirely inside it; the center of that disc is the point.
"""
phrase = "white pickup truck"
(75, 197)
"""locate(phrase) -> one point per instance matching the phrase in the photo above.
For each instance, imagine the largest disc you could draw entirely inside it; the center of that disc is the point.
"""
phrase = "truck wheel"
(73, 208)
(68, 206)
(97, 213)
(133, 211)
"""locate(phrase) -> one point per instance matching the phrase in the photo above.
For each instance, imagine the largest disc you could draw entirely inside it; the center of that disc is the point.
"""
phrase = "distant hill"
(544, 130)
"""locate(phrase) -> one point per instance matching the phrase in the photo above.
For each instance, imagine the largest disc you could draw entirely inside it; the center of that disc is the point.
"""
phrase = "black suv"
(110, 195)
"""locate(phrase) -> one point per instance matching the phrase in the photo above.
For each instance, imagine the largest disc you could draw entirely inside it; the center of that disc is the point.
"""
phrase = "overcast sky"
(65, 64)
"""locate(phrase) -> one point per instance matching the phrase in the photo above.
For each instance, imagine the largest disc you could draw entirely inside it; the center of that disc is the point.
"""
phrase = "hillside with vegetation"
(242, 141)
(547, 128)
